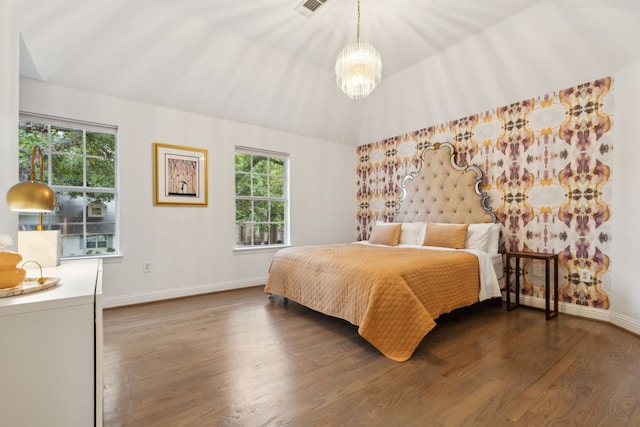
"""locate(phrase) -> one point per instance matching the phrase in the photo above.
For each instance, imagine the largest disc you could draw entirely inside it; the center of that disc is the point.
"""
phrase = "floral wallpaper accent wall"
(547, 163)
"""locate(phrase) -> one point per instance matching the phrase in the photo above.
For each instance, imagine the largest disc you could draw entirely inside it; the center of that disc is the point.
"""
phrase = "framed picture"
(180, 175)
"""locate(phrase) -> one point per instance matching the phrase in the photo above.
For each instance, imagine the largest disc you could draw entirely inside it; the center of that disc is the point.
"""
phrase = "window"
(94, 242)
(80, 166)
(261, 198)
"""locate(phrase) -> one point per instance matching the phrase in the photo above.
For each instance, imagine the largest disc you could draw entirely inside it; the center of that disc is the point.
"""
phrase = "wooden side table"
(547, 258)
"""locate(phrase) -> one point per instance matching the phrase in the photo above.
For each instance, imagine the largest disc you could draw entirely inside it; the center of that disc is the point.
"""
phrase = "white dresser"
(51, 351)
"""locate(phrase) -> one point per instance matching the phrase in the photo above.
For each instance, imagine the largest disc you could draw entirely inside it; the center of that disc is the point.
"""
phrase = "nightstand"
(547, 258)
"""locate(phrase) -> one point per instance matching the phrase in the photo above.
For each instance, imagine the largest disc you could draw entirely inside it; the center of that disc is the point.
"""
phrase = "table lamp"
(43, 246)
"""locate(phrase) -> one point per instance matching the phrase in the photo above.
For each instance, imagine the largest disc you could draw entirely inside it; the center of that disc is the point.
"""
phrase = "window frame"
(84, 127)
(285, 199)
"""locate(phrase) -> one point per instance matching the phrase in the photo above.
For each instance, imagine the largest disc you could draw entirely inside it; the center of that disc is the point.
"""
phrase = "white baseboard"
(624, 322)
(573, 309)
(206, 288)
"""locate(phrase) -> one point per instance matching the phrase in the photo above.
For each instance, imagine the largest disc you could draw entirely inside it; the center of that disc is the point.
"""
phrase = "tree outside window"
(261, 198)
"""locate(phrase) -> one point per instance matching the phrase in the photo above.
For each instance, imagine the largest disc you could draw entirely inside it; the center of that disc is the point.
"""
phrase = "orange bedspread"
(392, 294)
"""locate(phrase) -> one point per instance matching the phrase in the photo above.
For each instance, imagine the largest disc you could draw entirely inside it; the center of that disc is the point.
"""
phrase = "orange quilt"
(392, 294)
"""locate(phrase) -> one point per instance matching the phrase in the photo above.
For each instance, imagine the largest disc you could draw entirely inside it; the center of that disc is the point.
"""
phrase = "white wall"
(9, 58)
(543, 49)
(625, 292)
(192, 248)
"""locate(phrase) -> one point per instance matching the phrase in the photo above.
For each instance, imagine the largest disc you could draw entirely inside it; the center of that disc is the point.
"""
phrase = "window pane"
(261, 211)
(101, 217)
(277, 167)
(261, 234)
(31, 134)
(244, 211)
(101, 145)
(276, 213)
(64, 140)
(260, 185)
(101, 165)
(67, 160)
(243, 162)
(260, 164)
(67, 170)
(243, 184)
(276, 233)
(276, 174)
(69, 218)
(244, 233)
(276, 186)
(101, 173)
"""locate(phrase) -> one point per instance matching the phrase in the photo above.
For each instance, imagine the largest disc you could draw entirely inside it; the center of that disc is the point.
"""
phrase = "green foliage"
(259, 180)
(65, 149)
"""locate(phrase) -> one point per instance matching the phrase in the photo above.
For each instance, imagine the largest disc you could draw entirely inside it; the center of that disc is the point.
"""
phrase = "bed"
(440, 253)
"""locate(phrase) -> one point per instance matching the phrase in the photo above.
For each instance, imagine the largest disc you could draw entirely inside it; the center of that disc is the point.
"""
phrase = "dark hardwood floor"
(238, 358)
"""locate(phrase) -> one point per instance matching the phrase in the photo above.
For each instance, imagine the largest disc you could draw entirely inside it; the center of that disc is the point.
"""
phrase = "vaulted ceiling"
(254, 61)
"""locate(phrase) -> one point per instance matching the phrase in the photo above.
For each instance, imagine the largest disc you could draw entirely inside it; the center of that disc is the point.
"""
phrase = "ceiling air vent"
(308, 7)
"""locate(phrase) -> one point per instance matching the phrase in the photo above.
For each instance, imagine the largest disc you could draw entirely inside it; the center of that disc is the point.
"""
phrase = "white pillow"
(422, 234)
(478, 236)
(493, 245)
(410, 232)
(484, 236)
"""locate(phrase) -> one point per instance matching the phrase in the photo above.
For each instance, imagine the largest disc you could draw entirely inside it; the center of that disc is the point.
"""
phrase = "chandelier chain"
(358, 26)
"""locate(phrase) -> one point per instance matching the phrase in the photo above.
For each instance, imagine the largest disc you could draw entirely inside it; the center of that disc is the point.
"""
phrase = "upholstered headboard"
(442, 191)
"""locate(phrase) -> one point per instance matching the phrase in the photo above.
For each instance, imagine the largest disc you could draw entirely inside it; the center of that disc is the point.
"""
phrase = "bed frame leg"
(284, 299)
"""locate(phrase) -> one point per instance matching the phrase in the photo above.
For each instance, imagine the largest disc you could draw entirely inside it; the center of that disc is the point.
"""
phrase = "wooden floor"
(239, 359)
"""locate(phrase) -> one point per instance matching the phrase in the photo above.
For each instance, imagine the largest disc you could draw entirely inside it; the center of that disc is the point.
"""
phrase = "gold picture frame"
(179, 175)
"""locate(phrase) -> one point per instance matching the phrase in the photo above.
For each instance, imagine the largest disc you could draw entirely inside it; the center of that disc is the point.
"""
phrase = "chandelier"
(358, 67)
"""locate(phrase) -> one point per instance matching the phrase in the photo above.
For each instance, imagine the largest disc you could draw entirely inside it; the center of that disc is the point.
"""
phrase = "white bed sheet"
(498, 266)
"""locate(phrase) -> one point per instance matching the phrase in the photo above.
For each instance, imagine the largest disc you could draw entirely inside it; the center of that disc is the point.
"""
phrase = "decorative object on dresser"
(44, 246)
(10, 275)
(13, 280)
(393, 286)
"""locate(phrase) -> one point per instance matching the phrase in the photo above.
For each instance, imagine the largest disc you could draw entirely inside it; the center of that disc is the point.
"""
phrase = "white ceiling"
(255, 61)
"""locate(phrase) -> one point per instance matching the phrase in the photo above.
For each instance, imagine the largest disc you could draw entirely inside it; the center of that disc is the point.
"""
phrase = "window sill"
(106, 258)
(256, 249)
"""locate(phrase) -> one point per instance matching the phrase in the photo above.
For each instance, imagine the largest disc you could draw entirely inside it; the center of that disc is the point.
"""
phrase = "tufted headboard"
(442, 191)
